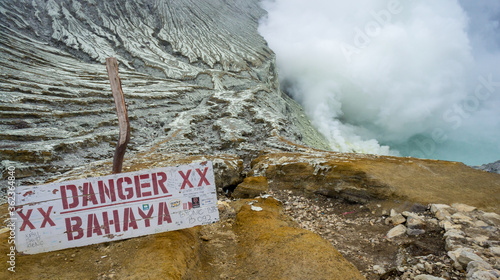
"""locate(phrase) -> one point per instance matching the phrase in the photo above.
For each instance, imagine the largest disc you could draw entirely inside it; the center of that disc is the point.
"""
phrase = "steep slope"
(193, 72)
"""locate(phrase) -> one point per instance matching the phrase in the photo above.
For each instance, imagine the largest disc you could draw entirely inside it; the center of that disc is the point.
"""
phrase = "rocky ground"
(253, 240)
(402, 240)
(376, 211)
(260, 236)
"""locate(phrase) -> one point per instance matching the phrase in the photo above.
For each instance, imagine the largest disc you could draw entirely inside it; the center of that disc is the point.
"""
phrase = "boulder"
(251, 187)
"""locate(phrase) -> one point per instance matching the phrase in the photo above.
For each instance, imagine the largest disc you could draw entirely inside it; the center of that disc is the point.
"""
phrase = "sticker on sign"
(119, 206)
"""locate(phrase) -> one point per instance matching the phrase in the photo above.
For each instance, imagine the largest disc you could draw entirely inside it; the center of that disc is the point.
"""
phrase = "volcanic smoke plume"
(415, 78)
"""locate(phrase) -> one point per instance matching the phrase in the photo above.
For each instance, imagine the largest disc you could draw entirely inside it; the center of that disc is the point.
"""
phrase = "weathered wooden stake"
(121, 110)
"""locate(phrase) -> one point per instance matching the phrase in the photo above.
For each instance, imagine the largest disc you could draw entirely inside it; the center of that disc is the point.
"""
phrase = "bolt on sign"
(119, 206)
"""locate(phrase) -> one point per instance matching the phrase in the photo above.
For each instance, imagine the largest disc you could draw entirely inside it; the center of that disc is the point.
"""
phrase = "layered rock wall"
(197, 78)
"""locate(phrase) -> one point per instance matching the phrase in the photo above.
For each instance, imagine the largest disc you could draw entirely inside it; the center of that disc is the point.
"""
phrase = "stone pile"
(472, 238)
(427, 242)
(407, 223)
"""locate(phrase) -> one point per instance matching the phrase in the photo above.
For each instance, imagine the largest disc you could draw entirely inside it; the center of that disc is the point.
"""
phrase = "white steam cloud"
(420, 77)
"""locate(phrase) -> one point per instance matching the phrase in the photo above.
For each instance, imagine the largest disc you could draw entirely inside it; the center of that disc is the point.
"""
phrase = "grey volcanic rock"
(493, 167)
(197, 77)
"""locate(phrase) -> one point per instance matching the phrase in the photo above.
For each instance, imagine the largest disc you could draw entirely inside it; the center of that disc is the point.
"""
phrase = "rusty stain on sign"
(119, 206)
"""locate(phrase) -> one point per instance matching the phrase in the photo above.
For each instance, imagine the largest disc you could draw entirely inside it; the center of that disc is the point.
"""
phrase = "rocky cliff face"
(196, 75)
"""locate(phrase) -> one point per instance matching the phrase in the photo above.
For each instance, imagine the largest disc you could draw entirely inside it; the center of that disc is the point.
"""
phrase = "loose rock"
(414, 222)
(495, 250)
(436, 207)
(460, 207)
(396, 231)
(482, 275)
(428, 277)
(428, 267)
(463, 256)
(395, 220)
(378, 269)
(474, 266)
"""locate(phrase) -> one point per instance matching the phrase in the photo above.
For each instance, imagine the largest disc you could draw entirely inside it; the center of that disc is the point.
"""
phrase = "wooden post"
(121, 111)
